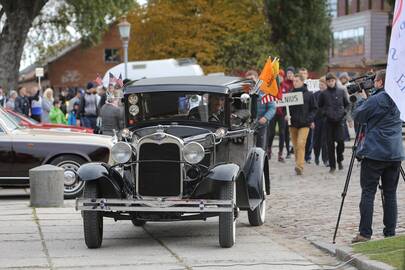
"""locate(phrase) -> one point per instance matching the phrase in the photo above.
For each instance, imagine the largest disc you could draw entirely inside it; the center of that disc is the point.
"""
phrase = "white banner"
(395, 77)
(312, 85)
(290, 99)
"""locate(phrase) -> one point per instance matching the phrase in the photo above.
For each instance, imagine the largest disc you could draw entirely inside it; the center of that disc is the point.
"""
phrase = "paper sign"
(290, 99)
(39, 72)
(313, 85)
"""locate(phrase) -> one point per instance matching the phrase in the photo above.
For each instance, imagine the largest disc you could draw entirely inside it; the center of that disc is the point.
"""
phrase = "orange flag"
(268, 78)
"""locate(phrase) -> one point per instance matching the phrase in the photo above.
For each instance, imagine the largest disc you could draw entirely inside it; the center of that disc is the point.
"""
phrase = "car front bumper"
(155, 205)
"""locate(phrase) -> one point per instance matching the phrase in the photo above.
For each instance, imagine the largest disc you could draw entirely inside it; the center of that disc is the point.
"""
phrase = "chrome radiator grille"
(159, 170)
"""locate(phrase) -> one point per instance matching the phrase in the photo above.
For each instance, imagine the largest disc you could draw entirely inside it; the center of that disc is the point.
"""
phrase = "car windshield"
(18, 119)
(8, 121)
(176, 106)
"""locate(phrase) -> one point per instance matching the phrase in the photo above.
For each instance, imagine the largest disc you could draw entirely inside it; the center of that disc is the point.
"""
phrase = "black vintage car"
(187, 153)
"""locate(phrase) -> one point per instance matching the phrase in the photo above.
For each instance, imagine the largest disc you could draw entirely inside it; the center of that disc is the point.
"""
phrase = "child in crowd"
(74, 116)
(56, 115)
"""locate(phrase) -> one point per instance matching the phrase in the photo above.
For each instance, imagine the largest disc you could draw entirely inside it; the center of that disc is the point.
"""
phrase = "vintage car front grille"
(159, 170)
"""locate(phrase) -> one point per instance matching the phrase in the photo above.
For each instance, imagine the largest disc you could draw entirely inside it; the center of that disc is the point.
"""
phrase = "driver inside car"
(214, 112)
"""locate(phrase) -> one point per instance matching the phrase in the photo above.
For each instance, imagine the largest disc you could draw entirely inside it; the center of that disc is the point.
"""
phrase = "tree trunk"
(19, 17)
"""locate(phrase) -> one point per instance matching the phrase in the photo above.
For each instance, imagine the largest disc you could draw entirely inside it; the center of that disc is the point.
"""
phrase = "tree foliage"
(222, 35)
(58, 20)
(300, 31)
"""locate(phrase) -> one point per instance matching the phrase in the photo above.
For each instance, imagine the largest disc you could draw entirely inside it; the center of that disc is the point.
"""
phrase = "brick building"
(361, 32)
(77, 64)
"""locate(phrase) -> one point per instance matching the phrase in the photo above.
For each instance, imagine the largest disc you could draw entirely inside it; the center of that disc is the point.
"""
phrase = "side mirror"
(253, 106)
(245, 98)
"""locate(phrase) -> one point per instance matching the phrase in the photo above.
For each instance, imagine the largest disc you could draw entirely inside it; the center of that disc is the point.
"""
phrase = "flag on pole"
(112, 80)
(119, 81)
(395, 74)
(98, 80)
(270, 81)
(268, 78)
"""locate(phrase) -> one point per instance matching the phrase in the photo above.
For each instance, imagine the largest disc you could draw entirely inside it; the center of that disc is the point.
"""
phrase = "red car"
(28, 122)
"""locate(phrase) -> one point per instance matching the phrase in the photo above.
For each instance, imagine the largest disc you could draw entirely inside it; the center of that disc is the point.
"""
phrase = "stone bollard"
(46, 186)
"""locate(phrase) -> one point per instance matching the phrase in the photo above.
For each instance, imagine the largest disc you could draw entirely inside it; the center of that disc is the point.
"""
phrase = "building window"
(111, 56)
(348, 42)
(333, 8)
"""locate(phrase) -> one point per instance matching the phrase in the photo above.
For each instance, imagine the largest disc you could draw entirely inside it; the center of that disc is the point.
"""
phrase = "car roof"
(216, 84)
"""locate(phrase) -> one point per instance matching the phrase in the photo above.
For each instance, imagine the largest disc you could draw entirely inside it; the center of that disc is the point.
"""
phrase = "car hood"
(51, 136)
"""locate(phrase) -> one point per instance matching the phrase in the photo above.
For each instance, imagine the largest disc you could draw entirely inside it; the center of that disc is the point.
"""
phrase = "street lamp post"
(125, 29)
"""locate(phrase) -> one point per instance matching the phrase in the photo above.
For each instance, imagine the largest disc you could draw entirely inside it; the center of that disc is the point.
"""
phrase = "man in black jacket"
(23, 101)
(333, 103)
(302, 118)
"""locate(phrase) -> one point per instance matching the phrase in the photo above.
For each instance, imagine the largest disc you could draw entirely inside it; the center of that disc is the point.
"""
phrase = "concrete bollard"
(46, 186)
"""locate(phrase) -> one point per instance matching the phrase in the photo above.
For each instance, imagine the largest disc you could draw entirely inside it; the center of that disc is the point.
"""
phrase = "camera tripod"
(349, 174)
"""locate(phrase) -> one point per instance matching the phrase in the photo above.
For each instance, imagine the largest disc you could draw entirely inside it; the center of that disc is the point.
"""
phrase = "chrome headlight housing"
(193, 152)
(121, 152)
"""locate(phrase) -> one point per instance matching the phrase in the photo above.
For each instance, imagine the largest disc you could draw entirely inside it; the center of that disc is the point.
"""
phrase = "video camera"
(358, 84)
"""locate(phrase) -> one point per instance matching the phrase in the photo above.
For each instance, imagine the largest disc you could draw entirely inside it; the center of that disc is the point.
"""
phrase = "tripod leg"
(349, 174)
(402, 172)
(346, 187)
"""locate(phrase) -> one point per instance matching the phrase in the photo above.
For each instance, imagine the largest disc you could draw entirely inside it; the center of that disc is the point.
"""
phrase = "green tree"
(222, 35)
(300, 31)
(89, 19)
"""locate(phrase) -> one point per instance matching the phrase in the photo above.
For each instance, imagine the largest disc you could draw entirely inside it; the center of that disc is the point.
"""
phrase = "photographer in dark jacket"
(302, 118)
(381, 153)
(333, 104)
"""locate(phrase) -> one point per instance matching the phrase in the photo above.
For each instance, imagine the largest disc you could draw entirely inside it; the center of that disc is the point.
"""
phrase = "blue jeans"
(371, 172)
(89, 121)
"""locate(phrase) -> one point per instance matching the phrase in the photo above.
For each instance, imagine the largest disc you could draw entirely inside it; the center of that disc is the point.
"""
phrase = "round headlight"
(121, 152)
(193, 152)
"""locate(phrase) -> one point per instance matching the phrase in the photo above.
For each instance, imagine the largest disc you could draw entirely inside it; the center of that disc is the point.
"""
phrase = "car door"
(6, 155)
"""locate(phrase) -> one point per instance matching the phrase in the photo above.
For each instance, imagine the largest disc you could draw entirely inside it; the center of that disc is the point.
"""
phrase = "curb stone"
(345, 254)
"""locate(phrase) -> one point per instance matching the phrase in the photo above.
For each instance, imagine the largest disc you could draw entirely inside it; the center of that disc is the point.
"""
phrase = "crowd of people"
(94, 107)
(318, 128)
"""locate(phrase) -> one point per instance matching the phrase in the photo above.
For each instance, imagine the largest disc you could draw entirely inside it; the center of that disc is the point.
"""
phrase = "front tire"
(258, 215)
(227, 221)
(73, 186)
(92, 220)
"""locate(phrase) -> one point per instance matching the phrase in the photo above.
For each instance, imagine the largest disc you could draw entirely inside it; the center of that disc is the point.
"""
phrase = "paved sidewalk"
(52, 238)
(306, 207)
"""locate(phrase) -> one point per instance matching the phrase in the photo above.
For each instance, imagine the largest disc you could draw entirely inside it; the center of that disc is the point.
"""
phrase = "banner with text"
(290, 99)
(395, 77)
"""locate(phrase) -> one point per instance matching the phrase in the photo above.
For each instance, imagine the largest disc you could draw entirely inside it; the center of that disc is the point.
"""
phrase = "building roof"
(218, 84)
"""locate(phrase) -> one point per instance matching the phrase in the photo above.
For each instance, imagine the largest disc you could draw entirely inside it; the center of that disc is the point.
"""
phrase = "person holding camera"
(333, 103)
(381, 152)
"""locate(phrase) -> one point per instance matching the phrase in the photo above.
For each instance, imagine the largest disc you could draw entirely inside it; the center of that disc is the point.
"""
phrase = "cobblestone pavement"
(306, 207)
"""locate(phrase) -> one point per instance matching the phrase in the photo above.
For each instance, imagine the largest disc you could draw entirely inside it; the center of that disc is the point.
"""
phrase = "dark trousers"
(334, 131)
(320, 142)
(277, 120)
(309, 145)
(371, 172)
(262, 136)
(36, 117)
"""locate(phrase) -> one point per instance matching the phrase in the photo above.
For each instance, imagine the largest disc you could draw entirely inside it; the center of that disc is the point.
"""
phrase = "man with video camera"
(381, 152)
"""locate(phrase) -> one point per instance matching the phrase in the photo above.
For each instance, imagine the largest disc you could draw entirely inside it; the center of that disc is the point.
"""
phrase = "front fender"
(224, 173)
(109, 181)
(255, 166)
